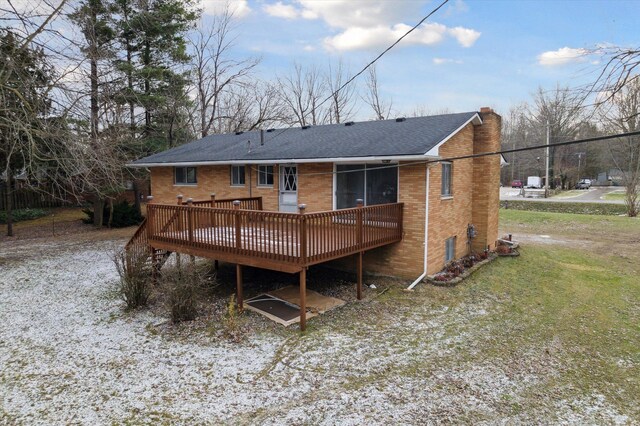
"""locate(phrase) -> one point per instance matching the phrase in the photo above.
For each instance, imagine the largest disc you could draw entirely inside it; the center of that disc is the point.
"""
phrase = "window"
(265, 175)
(449, 249)
(185, 175)
(237, 175)
(447, 173)
(373, 183)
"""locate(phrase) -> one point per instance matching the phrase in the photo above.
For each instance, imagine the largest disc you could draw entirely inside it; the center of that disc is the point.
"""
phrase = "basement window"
(265, 175)
(447, 179)
(449, 249)
(185, 175)
(237, 175)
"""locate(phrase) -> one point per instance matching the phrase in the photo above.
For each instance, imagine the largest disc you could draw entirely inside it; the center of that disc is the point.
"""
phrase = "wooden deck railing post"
(359, 240)
(179, 226)
(150, 230)
(236, 207)
(359, 227)
(190, 224)
(303, 273)
(150, 212)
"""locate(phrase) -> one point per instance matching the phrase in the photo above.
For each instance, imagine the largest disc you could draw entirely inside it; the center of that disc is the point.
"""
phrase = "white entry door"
(289, 188)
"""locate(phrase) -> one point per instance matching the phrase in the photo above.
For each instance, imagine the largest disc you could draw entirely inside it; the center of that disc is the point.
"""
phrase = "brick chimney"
(486, 180)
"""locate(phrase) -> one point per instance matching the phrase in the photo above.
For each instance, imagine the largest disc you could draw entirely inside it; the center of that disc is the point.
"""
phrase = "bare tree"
(624, 117)
(620, 68)
(301, 93)
(216, 73)
(380, 106)
(342, 98)
(560, 109)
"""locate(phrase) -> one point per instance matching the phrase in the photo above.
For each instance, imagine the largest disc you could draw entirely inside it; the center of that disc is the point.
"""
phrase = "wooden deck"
(288, 242)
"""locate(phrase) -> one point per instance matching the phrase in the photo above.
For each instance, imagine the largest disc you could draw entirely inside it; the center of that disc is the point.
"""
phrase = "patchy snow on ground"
(70, 354)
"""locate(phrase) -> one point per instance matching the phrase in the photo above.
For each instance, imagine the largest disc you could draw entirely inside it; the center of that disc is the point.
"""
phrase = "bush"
(183, 287)
(22, 214)
(124, 214)
(233, 324)
(134, 284)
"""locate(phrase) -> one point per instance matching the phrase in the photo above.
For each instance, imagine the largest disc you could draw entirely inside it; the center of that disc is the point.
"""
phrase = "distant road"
(592, 195)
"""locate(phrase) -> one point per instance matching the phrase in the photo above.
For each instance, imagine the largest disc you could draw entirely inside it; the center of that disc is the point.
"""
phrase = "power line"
(370, 63)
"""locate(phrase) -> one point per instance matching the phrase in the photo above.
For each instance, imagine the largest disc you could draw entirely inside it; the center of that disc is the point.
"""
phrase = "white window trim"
(273, 176)
(237, 185)
(365, 163)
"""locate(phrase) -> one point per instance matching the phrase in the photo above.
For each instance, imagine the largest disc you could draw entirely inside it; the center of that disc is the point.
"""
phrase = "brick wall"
(213, 179)
(450, 216)
(486, 180)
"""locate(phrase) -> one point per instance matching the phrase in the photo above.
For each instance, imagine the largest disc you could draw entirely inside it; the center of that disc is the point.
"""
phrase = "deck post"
(239, 299)
(303, 234)
(236, 207)
(190, 225)
(359, 228)
(303, 299)
(359, 285)
(150, 218)
(213, 199)
(179, 198)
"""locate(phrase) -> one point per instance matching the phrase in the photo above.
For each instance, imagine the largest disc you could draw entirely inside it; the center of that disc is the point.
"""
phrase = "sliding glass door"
(374, 183)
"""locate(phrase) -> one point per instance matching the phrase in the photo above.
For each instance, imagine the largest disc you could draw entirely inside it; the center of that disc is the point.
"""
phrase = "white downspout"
(426, 233)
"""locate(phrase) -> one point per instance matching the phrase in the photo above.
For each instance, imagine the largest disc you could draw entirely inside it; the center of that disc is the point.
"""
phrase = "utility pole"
(546, 176)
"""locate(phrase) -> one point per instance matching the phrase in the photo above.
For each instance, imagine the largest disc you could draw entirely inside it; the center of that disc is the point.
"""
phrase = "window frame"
(266, 173)
(446, 180)
(185, 172)
(232, 176)
(450, 249)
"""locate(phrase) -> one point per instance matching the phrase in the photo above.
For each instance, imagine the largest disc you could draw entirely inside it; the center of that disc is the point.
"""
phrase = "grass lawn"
(552, 336)
(614, 195)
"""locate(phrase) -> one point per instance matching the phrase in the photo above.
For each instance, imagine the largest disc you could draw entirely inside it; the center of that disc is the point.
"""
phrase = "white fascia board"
(417, 157)
(475, 120)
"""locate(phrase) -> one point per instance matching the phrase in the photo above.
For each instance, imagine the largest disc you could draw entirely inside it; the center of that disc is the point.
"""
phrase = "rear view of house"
(392, 192)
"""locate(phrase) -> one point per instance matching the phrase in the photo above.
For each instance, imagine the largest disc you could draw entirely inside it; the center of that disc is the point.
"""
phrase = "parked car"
(516, 184)
(583, 184)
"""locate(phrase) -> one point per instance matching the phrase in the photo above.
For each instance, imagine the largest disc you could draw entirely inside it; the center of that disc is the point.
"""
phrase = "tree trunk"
(9, 201)
(98, 212)
(110, 213)
(136, 196)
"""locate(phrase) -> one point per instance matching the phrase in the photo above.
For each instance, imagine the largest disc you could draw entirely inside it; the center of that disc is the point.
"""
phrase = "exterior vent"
(305, 127)
(349, 123)
(271, 130)
(400, 119)
(239, 133)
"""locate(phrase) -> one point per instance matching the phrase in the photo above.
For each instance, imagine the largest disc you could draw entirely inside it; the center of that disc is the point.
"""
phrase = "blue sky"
(471, 53)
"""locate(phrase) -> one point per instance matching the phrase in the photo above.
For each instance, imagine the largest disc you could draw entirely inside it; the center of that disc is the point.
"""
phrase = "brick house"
(329, 167)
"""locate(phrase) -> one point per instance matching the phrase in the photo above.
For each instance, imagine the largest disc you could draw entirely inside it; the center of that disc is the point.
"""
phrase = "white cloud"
(381, 36)
(367, 24)
(465, 36)
(562, 56)
(239, 8)
(281, 10)
(360, 13)
(443, 61)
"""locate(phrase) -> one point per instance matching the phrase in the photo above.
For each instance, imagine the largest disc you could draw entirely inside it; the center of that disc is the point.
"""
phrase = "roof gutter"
(418, 157)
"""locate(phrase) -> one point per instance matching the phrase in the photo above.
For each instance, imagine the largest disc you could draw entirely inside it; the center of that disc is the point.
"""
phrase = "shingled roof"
(393, 139)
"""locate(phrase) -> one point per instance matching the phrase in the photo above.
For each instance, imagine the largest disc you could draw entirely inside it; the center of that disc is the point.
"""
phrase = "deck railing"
(249, 203)
(291, 238)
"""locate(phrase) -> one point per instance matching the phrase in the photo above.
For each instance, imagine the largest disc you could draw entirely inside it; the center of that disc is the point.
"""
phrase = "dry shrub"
(134, 286)
(233, 325)
(183, 286)
(503, 249)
